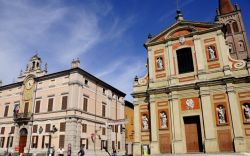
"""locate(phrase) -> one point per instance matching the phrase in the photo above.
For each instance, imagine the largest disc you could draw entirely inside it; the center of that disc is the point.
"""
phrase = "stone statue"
(211, 53)
(159, 63)
(247, 112)
(145, 122)
(221, 115)
(163, 117)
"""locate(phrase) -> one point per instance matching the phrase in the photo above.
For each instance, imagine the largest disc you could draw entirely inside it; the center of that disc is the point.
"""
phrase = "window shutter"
(64, 102)
(26, 108)
(50, 105)
(62, 127)
(103, 110)
(118, 144)
(6, 110)
(85, 104)
(2, 130)
(61, 141)
(12, 130)
(43, 139)
(116, 128)
(37, 106)
(35, 129)
(47, 128)
(103, 131)
(84, 128)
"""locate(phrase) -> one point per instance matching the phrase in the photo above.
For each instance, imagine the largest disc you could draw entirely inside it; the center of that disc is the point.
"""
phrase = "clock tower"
(33, 70)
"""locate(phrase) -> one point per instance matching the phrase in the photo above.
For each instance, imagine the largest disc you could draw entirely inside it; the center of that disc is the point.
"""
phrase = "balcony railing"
(22, 116)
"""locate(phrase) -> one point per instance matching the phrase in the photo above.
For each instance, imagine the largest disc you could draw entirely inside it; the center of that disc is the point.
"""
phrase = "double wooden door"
(193, 134)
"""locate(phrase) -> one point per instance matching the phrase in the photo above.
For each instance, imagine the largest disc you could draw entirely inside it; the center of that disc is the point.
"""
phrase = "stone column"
(137, 134)
(71, 135)
(239, 142)
(154, 144)
(177, 144)
(211, 144)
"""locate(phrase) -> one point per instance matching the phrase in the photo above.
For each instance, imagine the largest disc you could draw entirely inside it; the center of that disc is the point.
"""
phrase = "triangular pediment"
(183, 28)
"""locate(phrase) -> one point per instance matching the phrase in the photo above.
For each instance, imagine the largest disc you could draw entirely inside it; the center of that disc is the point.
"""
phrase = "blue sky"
(107, 35)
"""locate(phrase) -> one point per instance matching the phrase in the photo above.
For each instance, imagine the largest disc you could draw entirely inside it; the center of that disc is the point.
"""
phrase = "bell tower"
(235, 30)
(33, 67)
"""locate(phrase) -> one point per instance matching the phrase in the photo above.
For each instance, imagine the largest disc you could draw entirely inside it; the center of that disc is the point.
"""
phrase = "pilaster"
(16, 137)
(171, 63)
(154, 144)
(137, 134)
(224, 53)
(199, 57)
(75, 85)
(239, 142)
(177, 144)
(28, 142)
(71, 138)
(211, 144)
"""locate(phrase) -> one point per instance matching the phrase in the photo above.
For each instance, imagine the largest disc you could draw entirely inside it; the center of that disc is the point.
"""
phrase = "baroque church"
(195, 96)
(65, 110)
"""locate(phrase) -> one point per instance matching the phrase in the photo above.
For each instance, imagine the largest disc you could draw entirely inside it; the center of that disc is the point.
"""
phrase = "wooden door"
(193, 134)
(225, 140)
(165, 146)
(22, 143)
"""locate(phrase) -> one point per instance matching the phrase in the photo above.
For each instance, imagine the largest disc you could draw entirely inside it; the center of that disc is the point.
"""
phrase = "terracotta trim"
(188, 78)
(209, 40)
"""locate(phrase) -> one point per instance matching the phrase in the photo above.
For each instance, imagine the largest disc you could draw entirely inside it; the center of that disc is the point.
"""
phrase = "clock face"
(29, 83)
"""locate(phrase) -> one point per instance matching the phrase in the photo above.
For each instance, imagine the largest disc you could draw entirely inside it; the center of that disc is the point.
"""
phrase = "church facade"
(195, 96)
(68, 110)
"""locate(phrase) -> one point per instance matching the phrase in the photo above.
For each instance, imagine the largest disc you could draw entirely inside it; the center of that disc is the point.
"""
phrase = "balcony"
(22, 117)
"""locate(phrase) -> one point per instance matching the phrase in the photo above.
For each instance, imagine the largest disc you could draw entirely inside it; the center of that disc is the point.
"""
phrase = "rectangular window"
(102, 144)
(47, 128)
(26, 108)
(34, 141)
(6, 110)
(85, 104)
(103, 110)
(103, 131)
(12, 130)
(11, 141)
(113, 128)
(113, 144)
(185, 60)
(118, 145)
(50, 104)
(2, 141)
(120, 128)
(84, 128)
(116, 128)
(43, 140)
(35, 129)
(87, 143)
(62, 127)
(2, 130)
(37, 110)
(64, 102)
(61, 141)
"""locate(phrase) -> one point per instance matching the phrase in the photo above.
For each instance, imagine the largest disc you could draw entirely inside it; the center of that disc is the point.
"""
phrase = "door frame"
(200, 132)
